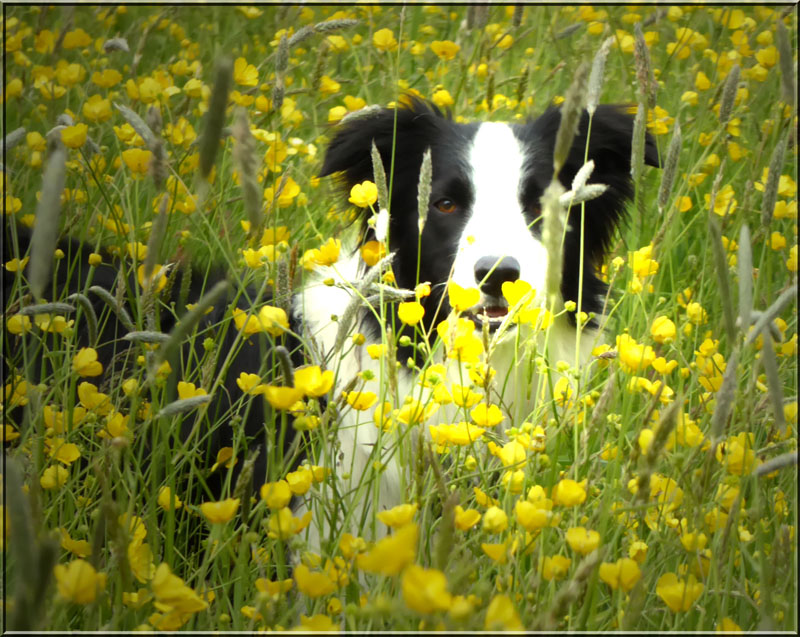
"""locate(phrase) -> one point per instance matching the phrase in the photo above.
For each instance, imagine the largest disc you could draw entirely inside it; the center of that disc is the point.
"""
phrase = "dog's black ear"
(606, 139)
(401, 136)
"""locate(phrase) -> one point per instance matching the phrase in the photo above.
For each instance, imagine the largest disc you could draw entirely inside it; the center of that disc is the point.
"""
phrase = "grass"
(659, 493)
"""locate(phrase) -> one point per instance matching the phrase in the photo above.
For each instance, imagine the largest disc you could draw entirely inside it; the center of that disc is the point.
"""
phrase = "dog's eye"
(447, 206)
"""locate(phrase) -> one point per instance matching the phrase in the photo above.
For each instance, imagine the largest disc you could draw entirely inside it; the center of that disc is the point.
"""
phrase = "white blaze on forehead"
(497, 224)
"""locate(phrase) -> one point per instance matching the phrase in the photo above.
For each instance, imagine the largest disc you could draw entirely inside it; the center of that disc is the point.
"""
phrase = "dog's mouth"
(492, 312)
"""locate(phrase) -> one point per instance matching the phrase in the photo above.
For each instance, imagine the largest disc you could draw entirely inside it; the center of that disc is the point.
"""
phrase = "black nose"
(492, 272)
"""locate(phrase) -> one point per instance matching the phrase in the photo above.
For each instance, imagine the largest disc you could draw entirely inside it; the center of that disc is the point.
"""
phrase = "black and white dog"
(482, 229)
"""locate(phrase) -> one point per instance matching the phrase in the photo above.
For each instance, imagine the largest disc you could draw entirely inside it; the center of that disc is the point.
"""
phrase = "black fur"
(259, 425)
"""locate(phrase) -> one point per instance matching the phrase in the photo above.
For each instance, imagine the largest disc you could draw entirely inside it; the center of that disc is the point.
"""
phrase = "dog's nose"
(492, 272)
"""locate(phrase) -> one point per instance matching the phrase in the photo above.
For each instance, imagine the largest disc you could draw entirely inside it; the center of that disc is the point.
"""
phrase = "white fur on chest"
(373, 468)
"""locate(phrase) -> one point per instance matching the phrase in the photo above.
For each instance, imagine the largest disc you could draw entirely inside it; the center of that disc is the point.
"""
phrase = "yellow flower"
(81, 548)
(157, 278)
(777, 241)
(76, 39)
(497, 552)
(462, 343)
(244, 74)
(462, 298)
(555, 567)
(466, 519)
(172, 594)
(78, 582)
(282, 398)
(425, 590)
(511, 454)
(167, 501)
(85, 362)
(140, 558)
(74, 136)
(318, 623)
(106, 78)
(663, 329)
(495, 520)
(737, 454)
(220, 512)
(384, 40)
(282, 524)
(299, 481)
(502, 616)
(634, 357)
(97, 109)
(361, 400)
(313, 381)
(484, 416)
(445, 49)
(313, 584)
(569, 493)
(273, 320)
(94, 400)
(461, 433)
(696, 314)
(641, 262)
(442, 98)
(249, 383)
(188, 390)
(582, 540)
(701, 81)
(364, 194)
(791, 262)
(372, 252)
(276, 494)
(412, 312)
(66, 452)
(54, 477)
(335, 113)
(17, 265)
(392, 554)
(727, 625)
(624, 573)
(768, 56)
(678, 595)
(328, 86)
(137, 160)
(350, 545)
(398, 516)
(250, 324)
(530, 516)
(272, 588)
(290, 190)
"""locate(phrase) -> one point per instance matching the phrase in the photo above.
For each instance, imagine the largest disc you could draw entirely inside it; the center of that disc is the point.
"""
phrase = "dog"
(480, 229)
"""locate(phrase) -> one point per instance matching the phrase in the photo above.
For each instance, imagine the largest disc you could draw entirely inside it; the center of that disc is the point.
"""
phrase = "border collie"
(482, 230)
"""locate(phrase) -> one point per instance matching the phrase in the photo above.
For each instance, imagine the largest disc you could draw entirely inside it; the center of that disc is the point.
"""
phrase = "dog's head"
(483, 224)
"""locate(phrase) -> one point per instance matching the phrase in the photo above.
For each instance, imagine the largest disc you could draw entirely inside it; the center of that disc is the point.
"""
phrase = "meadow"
(654, 490)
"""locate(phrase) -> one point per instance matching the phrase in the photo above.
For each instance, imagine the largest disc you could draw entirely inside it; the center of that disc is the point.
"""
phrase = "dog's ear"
(400, 134)
(606, 139)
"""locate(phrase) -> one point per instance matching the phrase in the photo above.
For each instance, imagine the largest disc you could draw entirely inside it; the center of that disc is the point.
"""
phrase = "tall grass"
(657, 493)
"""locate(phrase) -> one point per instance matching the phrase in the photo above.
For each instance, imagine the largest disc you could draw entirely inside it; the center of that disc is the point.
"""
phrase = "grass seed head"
(215, 116)
(597, 75)
(788, 70)
(670, 168)
(48, 212)
(570, 118)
